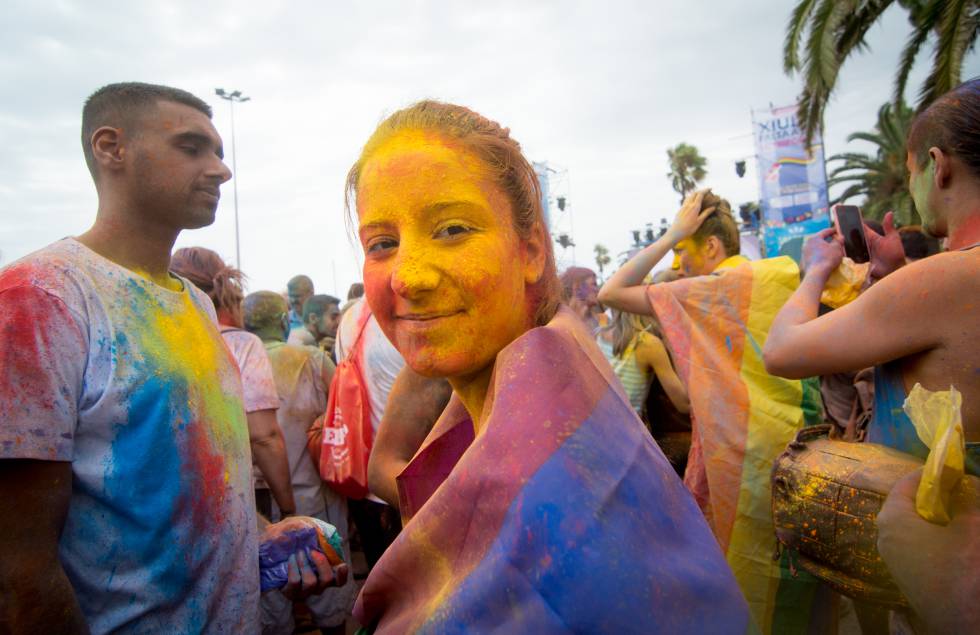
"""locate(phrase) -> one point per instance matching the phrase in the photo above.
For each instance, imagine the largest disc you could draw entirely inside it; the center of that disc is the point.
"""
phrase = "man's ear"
(535, 254)
(713, 247)
(108, 148)
(944, 167)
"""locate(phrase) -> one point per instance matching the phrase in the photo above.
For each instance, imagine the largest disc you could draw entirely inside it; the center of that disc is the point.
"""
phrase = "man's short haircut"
(122, 105)
(263, 309)
(952, 124)
(318, 305)
(300, 280)
(720, 224)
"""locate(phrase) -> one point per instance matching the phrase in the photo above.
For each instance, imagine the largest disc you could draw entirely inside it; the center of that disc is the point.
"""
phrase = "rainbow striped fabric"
(561, 516)
(716, 327)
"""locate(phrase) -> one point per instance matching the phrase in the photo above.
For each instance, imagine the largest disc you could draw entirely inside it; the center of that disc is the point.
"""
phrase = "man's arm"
(883, 324)
(269, 454)
(414, 404)
(35, 594)
(625, 289)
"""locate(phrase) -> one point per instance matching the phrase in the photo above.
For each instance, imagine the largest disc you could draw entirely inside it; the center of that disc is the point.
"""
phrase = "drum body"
(826, 495)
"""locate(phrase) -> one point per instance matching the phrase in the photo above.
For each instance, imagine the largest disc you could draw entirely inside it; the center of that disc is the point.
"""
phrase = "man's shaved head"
(300, 283)
(123, 106)
(263, 309)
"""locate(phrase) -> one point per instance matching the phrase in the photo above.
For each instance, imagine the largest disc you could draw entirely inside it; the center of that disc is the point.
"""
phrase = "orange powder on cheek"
(477, 273)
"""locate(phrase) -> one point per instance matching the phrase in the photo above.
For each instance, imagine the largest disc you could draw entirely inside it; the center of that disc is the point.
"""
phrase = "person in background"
(580, 291)
(377, 522)
(223, 284)
(414, 404)
(125, 472)
(889, 326)
(302, 375)
(714, 320)
(355, 291)
(299, 289)
(917, 244)
(638, 356)
(321, 317)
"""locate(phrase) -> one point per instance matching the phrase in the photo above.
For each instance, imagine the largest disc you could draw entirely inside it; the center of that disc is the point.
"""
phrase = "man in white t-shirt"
(125, 472)
(377, 522)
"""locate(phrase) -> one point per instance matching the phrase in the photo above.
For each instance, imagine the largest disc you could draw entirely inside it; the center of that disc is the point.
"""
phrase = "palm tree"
(601, 257)
(880, 177)
(686, 168)
(834, 29)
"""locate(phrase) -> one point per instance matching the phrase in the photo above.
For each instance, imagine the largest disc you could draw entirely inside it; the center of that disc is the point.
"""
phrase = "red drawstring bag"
(347, 430)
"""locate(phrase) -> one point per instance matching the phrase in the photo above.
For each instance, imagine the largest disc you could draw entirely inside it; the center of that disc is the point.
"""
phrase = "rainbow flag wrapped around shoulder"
(743, 418)
(561, 516)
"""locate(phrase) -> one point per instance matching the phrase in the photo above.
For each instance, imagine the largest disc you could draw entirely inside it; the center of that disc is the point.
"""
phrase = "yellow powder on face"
(411, 188)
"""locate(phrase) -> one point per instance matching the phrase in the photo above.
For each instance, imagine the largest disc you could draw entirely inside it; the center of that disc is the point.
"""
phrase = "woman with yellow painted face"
(537, 503)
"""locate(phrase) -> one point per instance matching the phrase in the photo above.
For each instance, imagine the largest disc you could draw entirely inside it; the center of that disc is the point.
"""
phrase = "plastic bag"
(845, 283)
(315, 535)
(938, 422)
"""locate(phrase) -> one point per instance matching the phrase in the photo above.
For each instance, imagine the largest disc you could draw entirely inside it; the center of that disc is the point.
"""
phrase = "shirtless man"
(919, 324)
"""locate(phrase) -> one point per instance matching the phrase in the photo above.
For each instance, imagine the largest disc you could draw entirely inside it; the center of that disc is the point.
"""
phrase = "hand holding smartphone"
(850, 226)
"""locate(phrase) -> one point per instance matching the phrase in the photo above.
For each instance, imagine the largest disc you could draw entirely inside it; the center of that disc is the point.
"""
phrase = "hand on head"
(823, 253)
(690, 216)
(887, 253)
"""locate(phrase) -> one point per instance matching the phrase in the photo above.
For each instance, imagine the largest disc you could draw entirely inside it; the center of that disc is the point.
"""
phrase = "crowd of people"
(548, 454)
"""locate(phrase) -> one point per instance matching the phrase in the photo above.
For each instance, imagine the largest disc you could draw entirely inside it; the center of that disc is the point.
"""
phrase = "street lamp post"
(231, 98)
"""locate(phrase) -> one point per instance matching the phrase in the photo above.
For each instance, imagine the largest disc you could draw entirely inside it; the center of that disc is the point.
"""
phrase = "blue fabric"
(890, 425)
(566, 561)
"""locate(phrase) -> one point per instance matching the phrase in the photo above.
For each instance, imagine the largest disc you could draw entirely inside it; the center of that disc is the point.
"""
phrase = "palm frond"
(822, 61)
(956, 25)
(871, 137)
(857, 24)
(794, 34)
(922, 27)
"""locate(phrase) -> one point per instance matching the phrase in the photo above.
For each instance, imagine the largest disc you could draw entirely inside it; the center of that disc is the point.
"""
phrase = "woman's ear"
(535, 254)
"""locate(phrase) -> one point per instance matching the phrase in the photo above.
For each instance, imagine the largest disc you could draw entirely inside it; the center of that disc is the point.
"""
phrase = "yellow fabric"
(775, 416)
(938, 422)
(731, 262)
(845, 283)
(717, 327)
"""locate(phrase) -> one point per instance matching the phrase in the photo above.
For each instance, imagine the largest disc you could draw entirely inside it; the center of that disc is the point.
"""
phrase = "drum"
(826, 495)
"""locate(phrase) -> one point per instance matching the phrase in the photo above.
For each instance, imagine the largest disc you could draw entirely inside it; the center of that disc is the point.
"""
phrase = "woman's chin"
(448, 365)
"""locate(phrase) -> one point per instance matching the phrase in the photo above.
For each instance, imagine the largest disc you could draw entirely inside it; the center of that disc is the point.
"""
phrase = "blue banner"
(792, 179)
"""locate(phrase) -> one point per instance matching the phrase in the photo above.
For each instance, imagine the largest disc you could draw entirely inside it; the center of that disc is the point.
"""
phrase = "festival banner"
(792, 181)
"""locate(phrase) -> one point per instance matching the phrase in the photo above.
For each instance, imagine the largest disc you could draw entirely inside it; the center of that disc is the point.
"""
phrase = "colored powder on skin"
(274, 553)
(412, 187)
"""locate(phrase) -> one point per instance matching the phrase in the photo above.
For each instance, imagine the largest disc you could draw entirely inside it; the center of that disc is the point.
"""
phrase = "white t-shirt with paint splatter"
(131, 383)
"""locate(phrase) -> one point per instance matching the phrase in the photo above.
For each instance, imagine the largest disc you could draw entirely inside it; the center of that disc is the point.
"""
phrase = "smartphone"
(850, 226)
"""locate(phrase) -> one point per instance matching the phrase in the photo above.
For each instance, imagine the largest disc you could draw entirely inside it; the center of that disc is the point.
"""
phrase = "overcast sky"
(599, 90)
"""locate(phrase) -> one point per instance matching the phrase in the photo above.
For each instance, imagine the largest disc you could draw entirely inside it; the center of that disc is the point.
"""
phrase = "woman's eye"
(382, 244)
(452, 231)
